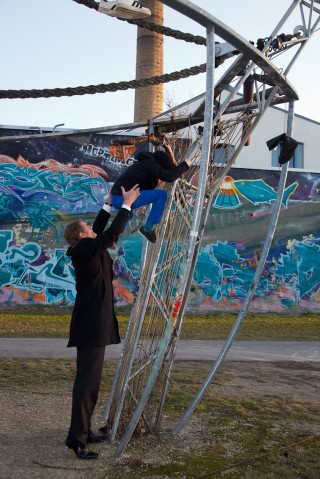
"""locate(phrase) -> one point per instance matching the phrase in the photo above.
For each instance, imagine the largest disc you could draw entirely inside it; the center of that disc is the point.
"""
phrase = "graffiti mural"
(44, 184)
(255, 191)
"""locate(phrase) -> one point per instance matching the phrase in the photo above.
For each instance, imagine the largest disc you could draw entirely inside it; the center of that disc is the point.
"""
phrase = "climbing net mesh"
(155, 310)
(157, 313)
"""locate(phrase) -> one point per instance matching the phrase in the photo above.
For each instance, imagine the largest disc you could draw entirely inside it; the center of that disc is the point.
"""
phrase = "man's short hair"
(72, 231)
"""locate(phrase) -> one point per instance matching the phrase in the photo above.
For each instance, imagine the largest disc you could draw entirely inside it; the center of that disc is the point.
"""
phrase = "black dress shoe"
(93, 438)
(82, 452)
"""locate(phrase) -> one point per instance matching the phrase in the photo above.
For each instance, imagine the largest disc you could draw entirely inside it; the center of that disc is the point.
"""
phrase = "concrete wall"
(47, 183)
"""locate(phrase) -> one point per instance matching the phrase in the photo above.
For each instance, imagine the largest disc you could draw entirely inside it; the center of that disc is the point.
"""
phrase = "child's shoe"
(148, 234)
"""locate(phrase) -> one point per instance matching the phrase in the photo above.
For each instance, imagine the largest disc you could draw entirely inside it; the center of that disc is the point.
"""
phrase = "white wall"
(274, 123)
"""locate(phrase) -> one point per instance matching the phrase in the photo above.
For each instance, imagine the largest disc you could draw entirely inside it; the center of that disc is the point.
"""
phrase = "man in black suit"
(94, 324)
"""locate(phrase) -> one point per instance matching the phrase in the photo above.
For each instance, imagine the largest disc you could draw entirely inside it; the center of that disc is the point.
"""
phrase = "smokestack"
(149, 99)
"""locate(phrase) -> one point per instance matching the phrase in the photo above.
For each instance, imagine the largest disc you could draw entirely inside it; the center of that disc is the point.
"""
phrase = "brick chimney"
(149, 99)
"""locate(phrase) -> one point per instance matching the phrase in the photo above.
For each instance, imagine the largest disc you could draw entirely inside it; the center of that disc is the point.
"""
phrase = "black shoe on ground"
(82, 452)
(95, 438)
(148, 234)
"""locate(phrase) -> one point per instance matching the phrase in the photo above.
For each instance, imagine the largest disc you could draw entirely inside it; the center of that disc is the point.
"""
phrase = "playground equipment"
(226, 115)
(136, 402)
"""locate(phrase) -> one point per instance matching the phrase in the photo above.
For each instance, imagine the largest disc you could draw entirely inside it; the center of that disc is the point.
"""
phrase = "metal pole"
(253, 286)
(58, 134)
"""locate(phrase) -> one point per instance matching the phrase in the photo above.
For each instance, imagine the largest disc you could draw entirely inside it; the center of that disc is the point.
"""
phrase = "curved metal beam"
(206, 19)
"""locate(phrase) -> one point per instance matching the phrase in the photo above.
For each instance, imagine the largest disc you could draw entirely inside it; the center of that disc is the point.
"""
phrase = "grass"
(231, 436)
(275, 327)
(265, 437)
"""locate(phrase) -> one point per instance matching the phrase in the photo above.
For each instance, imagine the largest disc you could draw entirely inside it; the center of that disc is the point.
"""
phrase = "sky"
(60, 43)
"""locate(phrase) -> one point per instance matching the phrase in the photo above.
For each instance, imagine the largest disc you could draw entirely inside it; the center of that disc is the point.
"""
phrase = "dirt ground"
(33, 425)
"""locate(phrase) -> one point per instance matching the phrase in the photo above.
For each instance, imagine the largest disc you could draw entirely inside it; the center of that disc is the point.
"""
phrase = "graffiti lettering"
(93, 151)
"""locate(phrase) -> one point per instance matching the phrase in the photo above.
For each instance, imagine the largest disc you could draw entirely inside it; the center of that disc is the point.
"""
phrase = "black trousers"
(85, 392)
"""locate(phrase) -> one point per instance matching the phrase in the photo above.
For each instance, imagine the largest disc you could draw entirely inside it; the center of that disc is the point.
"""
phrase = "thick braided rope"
(187, 37)
(169, 32)
(102, 88)
(124, 85)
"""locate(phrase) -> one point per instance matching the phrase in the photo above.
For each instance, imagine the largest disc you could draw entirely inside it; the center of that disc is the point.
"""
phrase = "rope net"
(141, 382)
(156, 319)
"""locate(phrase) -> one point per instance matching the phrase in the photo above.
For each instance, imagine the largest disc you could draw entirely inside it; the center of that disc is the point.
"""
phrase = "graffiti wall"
(45, 184)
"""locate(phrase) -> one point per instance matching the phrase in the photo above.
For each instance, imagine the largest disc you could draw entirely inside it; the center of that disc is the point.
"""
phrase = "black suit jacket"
(94, 322)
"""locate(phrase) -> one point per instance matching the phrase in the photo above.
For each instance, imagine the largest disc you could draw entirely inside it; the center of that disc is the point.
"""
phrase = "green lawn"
(236, 432)
(305, 327)
(234, 436)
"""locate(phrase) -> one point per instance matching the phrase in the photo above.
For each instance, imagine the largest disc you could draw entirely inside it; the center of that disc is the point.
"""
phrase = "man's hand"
(131, 195)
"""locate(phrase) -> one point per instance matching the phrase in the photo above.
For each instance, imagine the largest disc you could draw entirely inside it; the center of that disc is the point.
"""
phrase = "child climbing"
(147, 171)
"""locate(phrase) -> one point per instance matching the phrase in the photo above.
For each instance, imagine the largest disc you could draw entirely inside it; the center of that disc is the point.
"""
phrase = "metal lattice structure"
(136, 401)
